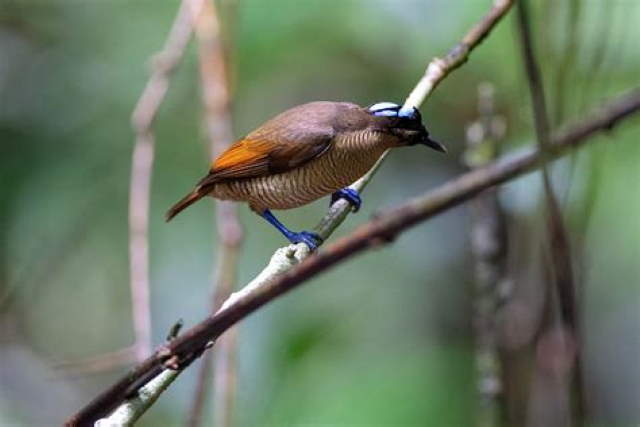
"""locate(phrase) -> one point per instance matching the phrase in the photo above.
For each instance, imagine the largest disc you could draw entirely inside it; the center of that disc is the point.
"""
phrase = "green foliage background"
(382, 340)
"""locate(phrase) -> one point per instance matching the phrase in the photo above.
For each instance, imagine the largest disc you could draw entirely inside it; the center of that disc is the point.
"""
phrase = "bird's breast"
(348, 159)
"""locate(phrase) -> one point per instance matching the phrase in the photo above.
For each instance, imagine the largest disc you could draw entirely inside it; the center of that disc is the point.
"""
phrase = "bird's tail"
(184, 203)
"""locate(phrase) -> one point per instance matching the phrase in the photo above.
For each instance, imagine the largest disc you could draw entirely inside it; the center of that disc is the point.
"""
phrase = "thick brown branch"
(372, 234)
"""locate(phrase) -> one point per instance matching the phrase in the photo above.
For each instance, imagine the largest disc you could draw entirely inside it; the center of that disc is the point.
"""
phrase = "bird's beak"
(433, 144)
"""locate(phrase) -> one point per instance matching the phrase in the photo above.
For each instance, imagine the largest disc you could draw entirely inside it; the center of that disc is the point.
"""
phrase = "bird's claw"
(309, 238)
(350, 195)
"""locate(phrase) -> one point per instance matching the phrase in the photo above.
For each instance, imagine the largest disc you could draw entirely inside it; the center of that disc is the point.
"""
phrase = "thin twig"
(163, 65)
(217, 102)
(225, 379)
(278, 278)
(140, 188)
(488, 241)
(559, 247)
(439, 68)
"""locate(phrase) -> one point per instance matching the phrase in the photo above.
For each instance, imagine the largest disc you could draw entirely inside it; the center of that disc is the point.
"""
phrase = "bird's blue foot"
(310, 239)
(350, 195)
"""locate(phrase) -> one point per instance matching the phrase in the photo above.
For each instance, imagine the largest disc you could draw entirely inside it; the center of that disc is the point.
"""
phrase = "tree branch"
(439, 68)
(130, 411)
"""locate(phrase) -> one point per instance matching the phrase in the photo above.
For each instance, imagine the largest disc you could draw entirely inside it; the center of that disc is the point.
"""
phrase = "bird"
(305, 153)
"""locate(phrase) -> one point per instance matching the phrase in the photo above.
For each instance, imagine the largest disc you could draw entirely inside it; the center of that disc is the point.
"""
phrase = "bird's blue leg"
(350, 195)
(311, 239)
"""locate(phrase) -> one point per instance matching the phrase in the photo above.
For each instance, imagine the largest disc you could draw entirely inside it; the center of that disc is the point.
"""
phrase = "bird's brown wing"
(256, 156)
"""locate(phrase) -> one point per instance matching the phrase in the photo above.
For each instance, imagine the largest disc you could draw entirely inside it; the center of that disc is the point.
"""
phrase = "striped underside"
(350, 157)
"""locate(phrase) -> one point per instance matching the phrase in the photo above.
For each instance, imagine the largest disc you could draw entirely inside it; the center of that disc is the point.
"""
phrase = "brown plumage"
(305, 153)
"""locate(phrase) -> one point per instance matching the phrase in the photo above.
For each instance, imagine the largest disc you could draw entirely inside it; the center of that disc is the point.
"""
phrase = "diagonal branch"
(370, 235)
(439, 68)
(128, 413)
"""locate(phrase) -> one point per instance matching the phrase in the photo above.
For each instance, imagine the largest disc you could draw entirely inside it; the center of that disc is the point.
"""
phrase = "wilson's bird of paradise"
(305, 153)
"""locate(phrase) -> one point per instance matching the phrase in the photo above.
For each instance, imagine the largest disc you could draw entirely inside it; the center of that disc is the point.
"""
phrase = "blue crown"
(389, 109)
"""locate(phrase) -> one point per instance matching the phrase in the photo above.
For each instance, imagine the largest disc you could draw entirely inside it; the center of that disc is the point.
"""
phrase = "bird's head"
(404, 123)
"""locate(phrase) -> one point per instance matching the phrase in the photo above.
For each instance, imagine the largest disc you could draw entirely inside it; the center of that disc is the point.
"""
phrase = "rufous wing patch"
(253, 157)
(242, 157)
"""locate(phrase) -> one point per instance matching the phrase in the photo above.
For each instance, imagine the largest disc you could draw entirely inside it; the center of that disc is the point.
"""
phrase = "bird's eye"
(384, 109)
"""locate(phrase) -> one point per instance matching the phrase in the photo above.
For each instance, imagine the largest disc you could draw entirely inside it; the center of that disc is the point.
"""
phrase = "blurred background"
(384, 339)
